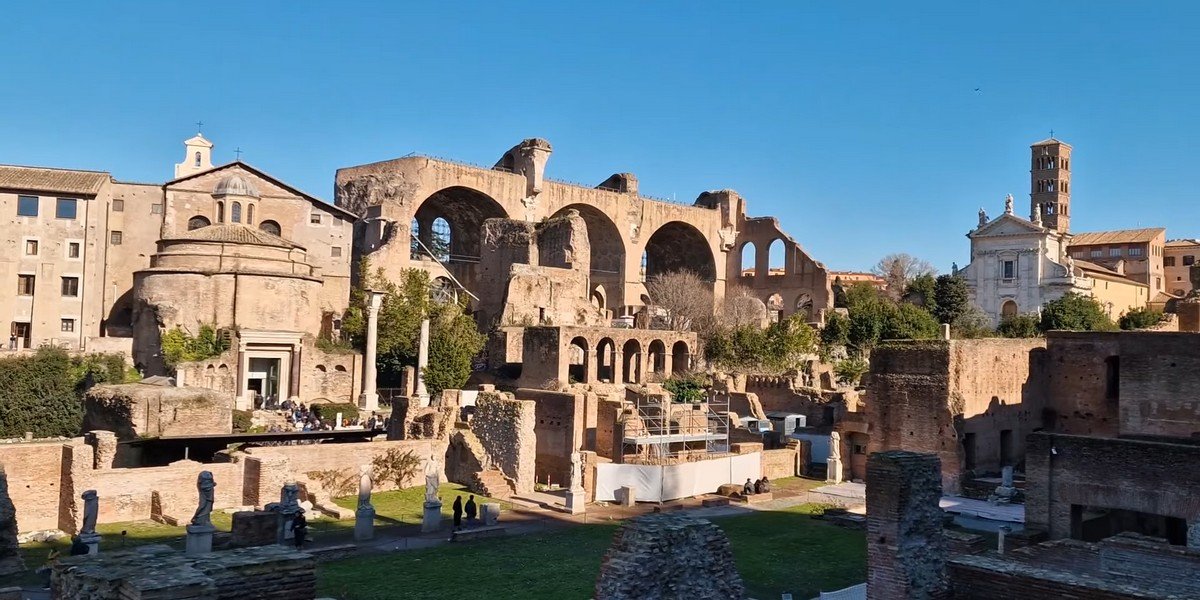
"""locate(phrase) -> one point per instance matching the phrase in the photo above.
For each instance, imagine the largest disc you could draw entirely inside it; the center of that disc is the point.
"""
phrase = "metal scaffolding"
(667, 429)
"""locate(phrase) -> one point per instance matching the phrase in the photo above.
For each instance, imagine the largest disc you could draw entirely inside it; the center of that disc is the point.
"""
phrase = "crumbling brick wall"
(1078, 401)
(132, 410)
(906, 551)
(666, 556)
(505, 427)
(558, 430)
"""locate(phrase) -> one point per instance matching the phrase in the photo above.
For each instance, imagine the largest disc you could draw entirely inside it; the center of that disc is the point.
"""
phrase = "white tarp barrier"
(654, 483)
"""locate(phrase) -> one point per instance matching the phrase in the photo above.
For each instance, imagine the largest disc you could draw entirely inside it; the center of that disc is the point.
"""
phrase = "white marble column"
(422, 362)
(369, 399)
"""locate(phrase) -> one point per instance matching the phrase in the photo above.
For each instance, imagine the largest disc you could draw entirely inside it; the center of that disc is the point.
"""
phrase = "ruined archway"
(657, 357)
(681, 357)
(606, 352)
(449, 225)
(577, 360)
(678, 246)
(607, 249)
(632, 355)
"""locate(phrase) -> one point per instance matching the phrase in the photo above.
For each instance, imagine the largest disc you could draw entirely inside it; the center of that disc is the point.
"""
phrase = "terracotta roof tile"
(236, 234)
(1124, 236)
(41, 179)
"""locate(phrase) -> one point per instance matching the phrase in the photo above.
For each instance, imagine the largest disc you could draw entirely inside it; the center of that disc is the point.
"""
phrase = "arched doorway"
(678, 246)
(657, 357)
(449, 225)
(606, 352)
(681, 357)
(1008, 309)
(577, 360)
(607, 250)
(632, 355)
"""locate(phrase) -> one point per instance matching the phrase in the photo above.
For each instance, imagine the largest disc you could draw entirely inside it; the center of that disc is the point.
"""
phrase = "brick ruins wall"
(343, 457)
(218, 373)
(780, 463)
(608, 412)
(1151, 477)
(265, 572)
(133, 410)
(1159, 376)
(906, 551)
(543, 363)
(937, 397)
(661, 557)
(505, 427)
(335, 377)
(558, 429)
(34, 483)
(131, 494)
(1077, 399)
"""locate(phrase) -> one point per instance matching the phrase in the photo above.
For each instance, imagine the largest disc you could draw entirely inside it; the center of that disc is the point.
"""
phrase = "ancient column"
(369, 399)
(422, 362)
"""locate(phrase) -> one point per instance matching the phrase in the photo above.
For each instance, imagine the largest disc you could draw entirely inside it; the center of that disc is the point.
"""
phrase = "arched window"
(749, 255)
(776, 260)
(197, 159)
(235, 214)
(414, 247)
(250, 214)
(197, 222)
(1008, 309)
(271, 227)
(440, 238)
(220, 212)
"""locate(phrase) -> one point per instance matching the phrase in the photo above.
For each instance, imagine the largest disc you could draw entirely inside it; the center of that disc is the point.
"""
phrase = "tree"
(921, 290)
(1141, 318)
(740, 307)
(1020, 326)
(778, 348)
(454, 340)
(897, 270)
(1075, 312)
(836, 332)
(686, 299)
(42, 392)
(951, 298)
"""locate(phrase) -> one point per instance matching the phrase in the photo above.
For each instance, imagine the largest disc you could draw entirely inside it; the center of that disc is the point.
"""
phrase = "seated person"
(766, 485)
(748, 489)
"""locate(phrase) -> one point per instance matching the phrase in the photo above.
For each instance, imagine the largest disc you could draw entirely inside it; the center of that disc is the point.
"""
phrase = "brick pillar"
(104, 447)
(618, 369)
(906, 551)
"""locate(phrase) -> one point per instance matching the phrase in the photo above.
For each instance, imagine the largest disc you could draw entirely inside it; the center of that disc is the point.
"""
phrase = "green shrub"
(686, 387)
(1141, 318)
(328, 412)
(42, 393)
(1075, 312)
(179, 346)
(1020, 326)
(241, 421)
(851, 370)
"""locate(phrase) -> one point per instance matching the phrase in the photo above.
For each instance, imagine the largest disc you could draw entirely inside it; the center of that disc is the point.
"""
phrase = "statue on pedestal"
(432, 481)
(91, 508)
(364, 486)
(982, 217)
(205, 486)
(576, 482)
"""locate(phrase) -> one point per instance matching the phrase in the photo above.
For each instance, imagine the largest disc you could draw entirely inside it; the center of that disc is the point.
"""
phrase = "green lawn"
(407, 506)
(782, 551)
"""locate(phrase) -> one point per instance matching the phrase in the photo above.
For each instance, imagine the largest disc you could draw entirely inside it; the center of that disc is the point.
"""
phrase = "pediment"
(1007, 225)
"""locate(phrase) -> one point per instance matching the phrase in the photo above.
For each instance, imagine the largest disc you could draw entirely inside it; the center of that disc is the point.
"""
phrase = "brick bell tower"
(1050, 183)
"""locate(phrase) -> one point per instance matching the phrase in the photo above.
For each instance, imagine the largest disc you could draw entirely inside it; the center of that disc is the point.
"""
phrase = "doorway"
(262, 382)
(22, 331)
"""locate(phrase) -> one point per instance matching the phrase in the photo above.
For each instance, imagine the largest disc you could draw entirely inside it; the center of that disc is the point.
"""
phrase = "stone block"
(199, 539)
(364, 524)
(729, 490)
(708, 502)
(669, 556)
(432, 518)
(478, 533)
(626, 496)
(254, 528)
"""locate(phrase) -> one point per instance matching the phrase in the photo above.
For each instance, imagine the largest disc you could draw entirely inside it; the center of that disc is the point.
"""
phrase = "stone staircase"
(493, 484)
(472, 467)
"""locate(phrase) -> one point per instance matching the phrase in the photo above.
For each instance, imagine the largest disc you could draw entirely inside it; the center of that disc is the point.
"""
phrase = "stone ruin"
(906, 551)
(10, 558)
(661, 557)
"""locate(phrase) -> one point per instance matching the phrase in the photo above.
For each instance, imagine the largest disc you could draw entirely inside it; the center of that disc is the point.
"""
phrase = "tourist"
(12, 342)
(766, 485)
(78, 548)
(299, 530)
(458, 509)
(758, 487)
(471, 510)
(371, 422)
(748, 489)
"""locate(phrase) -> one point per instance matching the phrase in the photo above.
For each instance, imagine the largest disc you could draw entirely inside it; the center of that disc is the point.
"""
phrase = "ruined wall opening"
(578, 361)
(632, 353)
(678, 246)
(680, 357)
(271, 227)
(607, 248)
(1094, 523)
(1008, 309)
(197, 222)
(657, 357)
(775, 258)
(449, 223)
(749, 255)
(606, 360)
(804, 306)
(968, 443)
(1112, 378)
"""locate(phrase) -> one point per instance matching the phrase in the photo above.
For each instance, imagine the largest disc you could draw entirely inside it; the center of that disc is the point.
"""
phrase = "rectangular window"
(67, 325)
(1114, 252)
(70, 287)
(114, 238)
(25, 285)
(27, 206)
(73, 250)
(1010, 269)
(335, 251)
(314, 218)
(1097, 253)
(118, 205)
(31, 247)
(1169, 261)
(1050, 208)
(156, 209)
(1135, 251)
(1188, 259)
(65, 208)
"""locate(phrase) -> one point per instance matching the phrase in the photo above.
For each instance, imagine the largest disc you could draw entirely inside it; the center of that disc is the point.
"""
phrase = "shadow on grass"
(776, 552)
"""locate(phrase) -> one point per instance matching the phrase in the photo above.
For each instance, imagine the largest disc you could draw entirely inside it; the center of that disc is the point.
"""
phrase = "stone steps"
(493, 484)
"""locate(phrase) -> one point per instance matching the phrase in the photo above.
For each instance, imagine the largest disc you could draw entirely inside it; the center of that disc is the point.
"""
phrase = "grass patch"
(407, 506)
(776, 552)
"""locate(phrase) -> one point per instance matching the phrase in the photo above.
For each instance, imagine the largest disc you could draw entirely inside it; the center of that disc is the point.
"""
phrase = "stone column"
(591, 360)
(906, 549)
(294, 375)
(618, 370)
(369, 399)
(422, 362)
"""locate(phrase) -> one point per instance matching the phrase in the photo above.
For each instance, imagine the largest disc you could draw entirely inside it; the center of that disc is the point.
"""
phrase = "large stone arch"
(607, 251)
(678, 246)
(465, 210)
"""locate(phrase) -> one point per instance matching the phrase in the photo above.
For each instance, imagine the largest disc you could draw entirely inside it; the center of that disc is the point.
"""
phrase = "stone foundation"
(661, 557)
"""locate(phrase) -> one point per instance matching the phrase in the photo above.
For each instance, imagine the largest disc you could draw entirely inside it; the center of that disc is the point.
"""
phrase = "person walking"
(299, 530)
(471, 510)
(458, 512)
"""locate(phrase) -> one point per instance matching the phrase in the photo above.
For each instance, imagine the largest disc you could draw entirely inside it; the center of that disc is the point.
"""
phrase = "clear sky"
(858, 124)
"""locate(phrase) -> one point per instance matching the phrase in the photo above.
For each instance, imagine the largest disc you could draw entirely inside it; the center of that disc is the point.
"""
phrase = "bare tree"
(683, 299)
(741, 307)
(898, 269)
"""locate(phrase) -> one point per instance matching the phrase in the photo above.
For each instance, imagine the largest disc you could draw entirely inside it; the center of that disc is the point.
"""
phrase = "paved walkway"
(981, 509)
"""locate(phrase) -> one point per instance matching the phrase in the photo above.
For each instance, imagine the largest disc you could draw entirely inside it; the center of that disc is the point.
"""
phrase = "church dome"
(234, 185)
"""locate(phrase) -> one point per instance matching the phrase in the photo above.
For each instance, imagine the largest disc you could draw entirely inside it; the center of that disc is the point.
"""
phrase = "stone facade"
(663, 557)
(558, 429)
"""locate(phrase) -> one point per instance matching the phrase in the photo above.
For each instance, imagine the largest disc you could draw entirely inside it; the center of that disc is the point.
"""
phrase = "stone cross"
(205, 486)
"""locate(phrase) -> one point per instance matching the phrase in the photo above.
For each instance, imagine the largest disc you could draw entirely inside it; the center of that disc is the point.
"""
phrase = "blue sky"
(856, 123)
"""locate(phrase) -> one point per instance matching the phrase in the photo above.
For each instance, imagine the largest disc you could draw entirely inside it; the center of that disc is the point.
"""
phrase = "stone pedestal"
(368, 401)
(364, 523)
(490, 513)
(627, 496)
(199, 539)
(834, 470)
(432, 520)
(576, 501)
(92, 541)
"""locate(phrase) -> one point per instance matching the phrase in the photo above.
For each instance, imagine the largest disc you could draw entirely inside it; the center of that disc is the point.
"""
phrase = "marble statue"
(835, 445)
(91, 508)
(982, 217)
(204, 485)
(576, 471)
(1008, 204)
(431, 480)
(364, 485)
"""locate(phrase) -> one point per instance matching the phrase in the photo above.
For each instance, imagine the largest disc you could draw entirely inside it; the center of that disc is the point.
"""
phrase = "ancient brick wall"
(505, 427)
(558, 429)
(335, 377)
(1159, 375)
(1077, 398)
(608, 412)
(906, 551)
(131, 494)
(544, 364)
(34, 481)
(132, 410)
(661, 556)
(343, 457)
(779, 463)
(1151, 477)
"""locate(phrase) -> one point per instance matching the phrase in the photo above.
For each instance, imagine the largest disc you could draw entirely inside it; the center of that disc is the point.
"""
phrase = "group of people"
(303, 418)
(471, 509)
(762, 486)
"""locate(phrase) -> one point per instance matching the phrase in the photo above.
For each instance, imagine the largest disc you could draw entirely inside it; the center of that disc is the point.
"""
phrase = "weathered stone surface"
(10, 559)
(134, 409)
(254, 528)
(661, 557)
(906, 551)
